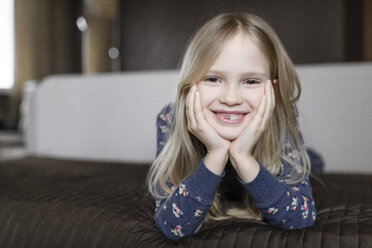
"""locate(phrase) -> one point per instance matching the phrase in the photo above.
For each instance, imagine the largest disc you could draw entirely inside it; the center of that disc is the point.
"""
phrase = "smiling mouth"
(230, 118)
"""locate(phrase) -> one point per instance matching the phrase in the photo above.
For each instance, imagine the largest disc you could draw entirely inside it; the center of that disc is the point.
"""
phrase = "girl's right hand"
(217, 147)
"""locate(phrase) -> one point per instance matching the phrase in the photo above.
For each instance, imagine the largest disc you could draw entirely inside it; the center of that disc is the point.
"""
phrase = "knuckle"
(196, 128)
(192, 132)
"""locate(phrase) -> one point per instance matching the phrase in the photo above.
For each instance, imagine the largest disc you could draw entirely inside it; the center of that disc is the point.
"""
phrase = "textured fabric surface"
(57, 203)
(344, 204)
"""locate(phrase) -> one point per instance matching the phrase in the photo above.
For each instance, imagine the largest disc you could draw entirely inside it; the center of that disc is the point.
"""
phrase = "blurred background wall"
(93, 36)
(46, 42)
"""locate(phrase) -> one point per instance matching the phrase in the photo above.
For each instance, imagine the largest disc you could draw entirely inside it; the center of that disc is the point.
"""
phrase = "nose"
(231, 96)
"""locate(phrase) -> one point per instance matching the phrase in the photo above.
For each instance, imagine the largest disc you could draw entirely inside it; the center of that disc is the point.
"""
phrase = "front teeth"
(232, 117)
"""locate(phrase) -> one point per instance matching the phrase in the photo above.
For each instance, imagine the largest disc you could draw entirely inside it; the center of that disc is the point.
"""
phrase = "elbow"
(298, 222)
(305, 222)
(309, 223)
(168, 232)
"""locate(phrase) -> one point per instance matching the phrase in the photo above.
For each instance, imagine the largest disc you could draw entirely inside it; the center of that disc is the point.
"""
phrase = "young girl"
(233, 148)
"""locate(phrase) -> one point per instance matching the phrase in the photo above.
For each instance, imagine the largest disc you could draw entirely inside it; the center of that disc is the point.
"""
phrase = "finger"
(273, 91)
(271, 96)
(268, 109)
(259, 115)
(199, 116)
(190, 107)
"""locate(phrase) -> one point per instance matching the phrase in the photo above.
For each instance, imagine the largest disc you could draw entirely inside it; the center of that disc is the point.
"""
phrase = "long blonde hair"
(183, 151)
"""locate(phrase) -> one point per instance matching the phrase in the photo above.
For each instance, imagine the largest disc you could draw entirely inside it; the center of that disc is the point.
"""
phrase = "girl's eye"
(212, 79)
(252, 81)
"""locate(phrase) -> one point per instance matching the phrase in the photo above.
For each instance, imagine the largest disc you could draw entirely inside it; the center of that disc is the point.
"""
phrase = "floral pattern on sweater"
(182, 213)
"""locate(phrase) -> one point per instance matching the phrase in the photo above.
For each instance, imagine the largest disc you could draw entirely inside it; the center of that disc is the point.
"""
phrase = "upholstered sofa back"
(111, 117)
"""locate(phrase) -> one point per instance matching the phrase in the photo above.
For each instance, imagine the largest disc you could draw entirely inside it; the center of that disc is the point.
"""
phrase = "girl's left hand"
(240, 151)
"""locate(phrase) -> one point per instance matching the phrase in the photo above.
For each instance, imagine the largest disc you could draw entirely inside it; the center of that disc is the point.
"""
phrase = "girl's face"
(232, 89)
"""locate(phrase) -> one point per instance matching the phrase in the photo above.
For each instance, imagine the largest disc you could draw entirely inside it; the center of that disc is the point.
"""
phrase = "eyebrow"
(246, 74)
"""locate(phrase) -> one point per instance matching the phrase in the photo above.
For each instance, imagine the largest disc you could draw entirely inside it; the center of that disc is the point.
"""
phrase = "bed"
(67, 203)
(91, 140)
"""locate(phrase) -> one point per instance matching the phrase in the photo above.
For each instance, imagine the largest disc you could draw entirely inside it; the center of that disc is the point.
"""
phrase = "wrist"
(246, 167)
(221, 151)
(216, 161)
(239, 158)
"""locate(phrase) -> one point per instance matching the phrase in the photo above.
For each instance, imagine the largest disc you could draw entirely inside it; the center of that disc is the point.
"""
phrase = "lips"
(230, 117)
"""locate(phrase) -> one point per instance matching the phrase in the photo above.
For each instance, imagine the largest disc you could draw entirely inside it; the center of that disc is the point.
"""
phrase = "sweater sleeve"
(182, 213)
(282, 205)
(163, 124)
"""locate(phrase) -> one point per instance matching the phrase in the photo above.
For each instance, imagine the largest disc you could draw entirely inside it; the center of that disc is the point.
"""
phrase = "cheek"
(206, 96)
(254, 97)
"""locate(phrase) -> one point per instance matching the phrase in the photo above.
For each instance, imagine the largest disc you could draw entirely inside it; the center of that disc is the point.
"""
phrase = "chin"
(231, 135)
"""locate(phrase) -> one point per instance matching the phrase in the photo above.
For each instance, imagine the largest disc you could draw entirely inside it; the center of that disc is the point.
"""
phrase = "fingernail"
(197, 92)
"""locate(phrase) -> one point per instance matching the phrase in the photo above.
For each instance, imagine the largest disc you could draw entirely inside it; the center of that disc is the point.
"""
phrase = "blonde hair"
(183, 151)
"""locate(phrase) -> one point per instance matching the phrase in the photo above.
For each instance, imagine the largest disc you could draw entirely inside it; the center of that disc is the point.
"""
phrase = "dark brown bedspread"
(58, 203)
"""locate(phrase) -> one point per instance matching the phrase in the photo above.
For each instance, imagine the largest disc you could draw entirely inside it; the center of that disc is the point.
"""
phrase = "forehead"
(241, 53)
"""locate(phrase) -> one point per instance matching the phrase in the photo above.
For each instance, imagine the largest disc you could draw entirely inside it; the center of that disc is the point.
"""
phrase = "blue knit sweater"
(182, 213)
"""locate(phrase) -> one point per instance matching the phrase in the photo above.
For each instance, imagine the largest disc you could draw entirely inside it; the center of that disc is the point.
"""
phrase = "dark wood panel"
(354, 30)
(154, 33)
